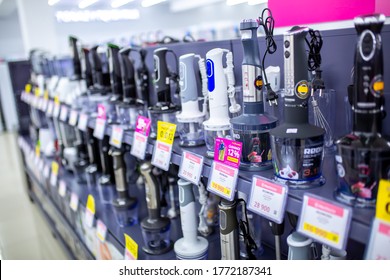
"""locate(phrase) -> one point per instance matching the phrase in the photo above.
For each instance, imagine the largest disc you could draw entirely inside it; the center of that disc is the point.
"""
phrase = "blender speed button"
(286, 44)
(286, 54)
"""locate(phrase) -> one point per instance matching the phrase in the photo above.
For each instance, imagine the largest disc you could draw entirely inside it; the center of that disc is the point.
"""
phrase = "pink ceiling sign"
(298, 12)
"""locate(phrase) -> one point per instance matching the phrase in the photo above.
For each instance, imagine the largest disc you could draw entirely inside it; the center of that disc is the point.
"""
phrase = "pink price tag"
(101, 230)
(227, 152)
(222, 180)
(116, 136)
(101, 112)
(140, 143)
(191, 167)
(379, 245)
(143, 126)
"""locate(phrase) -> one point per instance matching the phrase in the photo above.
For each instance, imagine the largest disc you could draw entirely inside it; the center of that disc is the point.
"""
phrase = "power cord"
(315, 45)
(268, 24)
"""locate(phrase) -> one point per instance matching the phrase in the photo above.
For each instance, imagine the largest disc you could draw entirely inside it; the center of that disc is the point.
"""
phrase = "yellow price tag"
(332, 237)
(37, 150)
(220, 188)
(37, 91)
(166, 132)
(56, 100)
(383, 201)
(54, 167)
(27, 88)
(131, 247)
(46, 95)
(91, 204)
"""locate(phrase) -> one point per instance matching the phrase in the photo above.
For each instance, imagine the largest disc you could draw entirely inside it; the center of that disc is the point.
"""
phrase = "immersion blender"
(363, 156)
(220, 84)
(125, 206)
(297, 146)
(229, 233)
(155, 229)
(163, 109)
(191, 246)
(190, 118)
(252, 127)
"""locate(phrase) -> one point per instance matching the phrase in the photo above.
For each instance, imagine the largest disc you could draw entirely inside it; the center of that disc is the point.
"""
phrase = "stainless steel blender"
(252, 127)
(363, 156)
(155, 229)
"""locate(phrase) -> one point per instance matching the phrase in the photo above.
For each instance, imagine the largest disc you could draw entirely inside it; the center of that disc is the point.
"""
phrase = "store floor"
(24, 233)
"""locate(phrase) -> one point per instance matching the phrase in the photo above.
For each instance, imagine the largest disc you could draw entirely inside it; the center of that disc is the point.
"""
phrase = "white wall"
(11, 43)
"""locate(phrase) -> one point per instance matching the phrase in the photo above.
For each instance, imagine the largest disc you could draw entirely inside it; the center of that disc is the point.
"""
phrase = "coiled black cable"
(315, 45)
(268, 24)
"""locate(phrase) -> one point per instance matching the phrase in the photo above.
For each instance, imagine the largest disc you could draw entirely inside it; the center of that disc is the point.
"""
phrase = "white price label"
(35, 101)
(62, 188)
(100, 128)
(191, 167)
(73, 118)
(162, 155)
(64, 113)
(56, 110)
(74, 202)
(50, 108)
(140, 143)
(40, 103)
(40, 164)
(379, 244)
(101, 230)
(53, 179)
(46, 171)
(268, 199)
(325, 221)
(83, 122)
(89, 217)
(222, 180)
(45, 103)
(116, 136)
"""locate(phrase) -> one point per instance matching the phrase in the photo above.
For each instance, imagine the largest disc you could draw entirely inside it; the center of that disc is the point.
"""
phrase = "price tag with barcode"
(62, 188)
(46, 171)
(325, 221)
(74, 201)
(379, 245)
(73, 118)
(163, 148)
(90, 211)
(54, 173)
(268, 199)
(116, 136)
(64, 113)
(223, 180)
(57, 108)
(101, 230)
(140, 138)
(50, 108)
(191, 167)
(100, 128)
(83, 122)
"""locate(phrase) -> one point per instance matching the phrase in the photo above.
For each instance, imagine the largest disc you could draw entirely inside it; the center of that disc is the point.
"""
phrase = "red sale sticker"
(227, 152)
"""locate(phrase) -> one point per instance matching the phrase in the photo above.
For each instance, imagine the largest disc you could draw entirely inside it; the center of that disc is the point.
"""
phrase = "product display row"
(194, 165)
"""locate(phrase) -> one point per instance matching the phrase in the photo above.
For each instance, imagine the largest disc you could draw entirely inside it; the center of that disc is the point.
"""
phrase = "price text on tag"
(379, 244)
(83, 122)
(73, 118)
(163, 147)
(90, 211)
(101, 230)
(131, 250)
(268, 199)
(74, 201)
(100, 128)
(383, 201)
(191, 167)
(62, 188)
(116, 136)
(140, 139)
(54, 173)
(64, 113)
(222, 180)
(227, 152)
(325, 221)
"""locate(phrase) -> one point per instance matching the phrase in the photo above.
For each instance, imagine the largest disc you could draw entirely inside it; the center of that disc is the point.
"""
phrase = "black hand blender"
(125, 206)
(252, 127)
(363, 156)
(155, 229)
(163, 109)
(297, 146)
(129, 109)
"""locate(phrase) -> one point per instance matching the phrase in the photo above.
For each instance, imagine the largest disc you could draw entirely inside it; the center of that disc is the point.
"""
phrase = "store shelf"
(361, 218)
